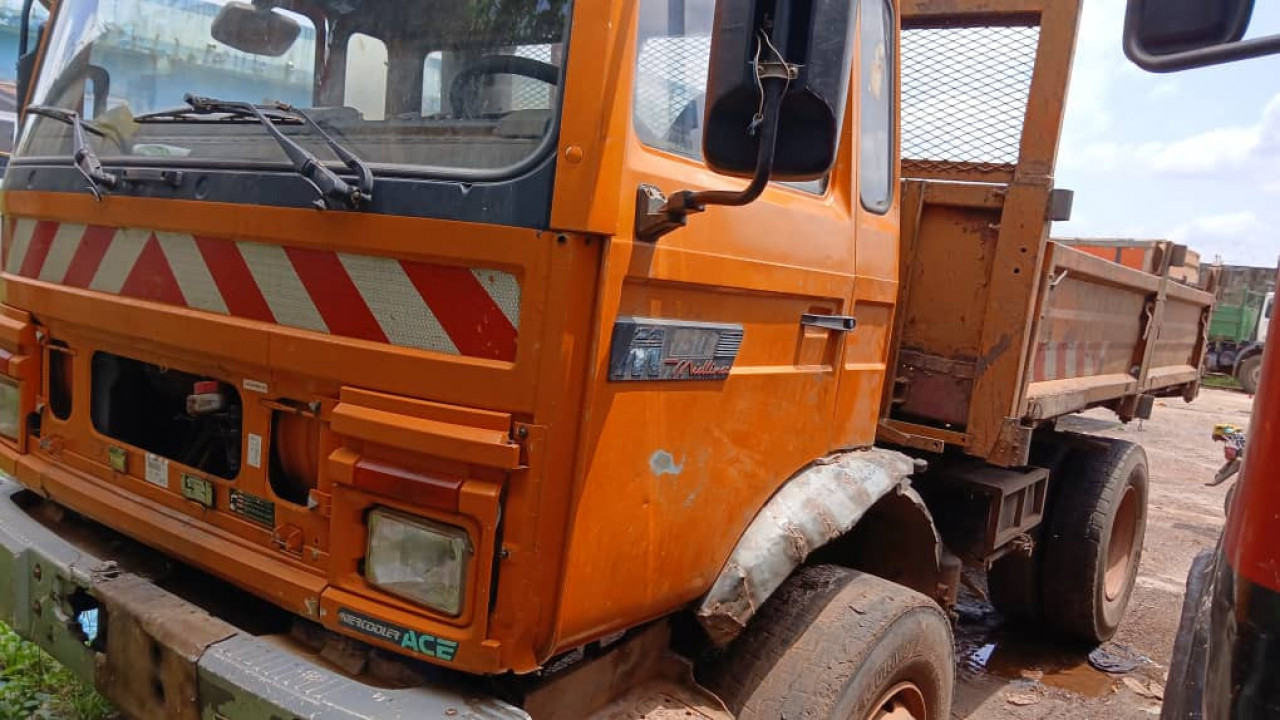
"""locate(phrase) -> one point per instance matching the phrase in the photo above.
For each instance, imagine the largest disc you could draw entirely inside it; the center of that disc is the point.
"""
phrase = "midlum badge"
(419, 642)
(660, 349)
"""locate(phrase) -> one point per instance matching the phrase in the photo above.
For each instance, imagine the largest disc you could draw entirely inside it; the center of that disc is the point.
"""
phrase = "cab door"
(874, 98)
(675, 467)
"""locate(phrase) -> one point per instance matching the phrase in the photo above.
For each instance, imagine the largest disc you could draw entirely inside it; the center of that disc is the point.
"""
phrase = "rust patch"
(153, 642)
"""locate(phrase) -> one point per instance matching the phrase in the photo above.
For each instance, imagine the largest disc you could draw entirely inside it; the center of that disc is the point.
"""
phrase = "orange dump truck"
(362, 359)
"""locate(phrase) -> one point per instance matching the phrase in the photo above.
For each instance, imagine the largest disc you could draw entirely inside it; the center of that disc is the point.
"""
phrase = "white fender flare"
(817, 505)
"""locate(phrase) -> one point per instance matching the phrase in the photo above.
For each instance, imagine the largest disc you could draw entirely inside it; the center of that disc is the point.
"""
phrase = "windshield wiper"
(348, 158)
(189, 112)
(328, 185)
(82, 155)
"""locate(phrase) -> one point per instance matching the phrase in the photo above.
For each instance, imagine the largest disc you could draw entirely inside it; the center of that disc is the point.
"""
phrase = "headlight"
(9, 420)
(418, 559)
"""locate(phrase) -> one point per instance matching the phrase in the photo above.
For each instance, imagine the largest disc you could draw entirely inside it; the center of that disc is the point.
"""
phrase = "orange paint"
(591, 506)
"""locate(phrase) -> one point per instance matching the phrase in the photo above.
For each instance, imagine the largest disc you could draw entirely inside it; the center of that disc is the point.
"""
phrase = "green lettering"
(427, 645)
(409, 640)
(445, 649)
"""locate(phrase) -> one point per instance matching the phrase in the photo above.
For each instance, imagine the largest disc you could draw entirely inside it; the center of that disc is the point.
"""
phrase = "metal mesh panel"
(964, 94)
(671, 82)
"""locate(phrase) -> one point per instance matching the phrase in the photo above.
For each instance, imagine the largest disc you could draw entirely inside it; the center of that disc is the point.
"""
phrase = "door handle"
(835, 323)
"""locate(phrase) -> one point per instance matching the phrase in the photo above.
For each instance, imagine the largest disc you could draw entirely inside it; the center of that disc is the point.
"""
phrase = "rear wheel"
(1093, 542)
(1013, 581)
(838, 644)
(1249, 373)
(1014, 587)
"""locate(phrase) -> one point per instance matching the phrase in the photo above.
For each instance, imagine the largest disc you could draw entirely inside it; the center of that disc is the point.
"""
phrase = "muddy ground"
(1007, 673)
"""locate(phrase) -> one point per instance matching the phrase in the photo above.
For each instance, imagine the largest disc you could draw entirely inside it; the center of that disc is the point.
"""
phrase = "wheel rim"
(1120, 548)
(903, 701)
(1255, 375)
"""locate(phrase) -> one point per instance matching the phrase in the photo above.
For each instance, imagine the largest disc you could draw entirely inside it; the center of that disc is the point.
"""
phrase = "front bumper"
(159, 656)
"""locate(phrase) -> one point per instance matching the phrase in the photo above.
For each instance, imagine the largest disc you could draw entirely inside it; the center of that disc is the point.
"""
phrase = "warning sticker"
(157, 470)
(255, 386)
(255, 450)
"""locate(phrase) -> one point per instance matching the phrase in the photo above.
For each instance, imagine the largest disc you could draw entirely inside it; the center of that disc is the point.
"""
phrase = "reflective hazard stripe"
(443, 308)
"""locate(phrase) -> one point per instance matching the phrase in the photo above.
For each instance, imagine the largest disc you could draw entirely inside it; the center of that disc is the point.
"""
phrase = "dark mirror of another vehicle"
(1169, 35)
(260, 31)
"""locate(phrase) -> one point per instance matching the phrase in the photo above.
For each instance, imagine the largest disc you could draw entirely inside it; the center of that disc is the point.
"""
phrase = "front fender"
(817, 505)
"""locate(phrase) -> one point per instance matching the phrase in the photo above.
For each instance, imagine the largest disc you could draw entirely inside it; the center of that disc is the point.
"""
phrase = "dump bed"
(999, 329)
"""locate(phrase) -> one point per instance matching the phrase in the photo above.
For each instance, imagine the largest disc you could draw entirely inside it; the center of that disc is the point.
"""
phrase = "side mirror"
(816, 38)
(258, 31)
(776, 87)
(1168, 35)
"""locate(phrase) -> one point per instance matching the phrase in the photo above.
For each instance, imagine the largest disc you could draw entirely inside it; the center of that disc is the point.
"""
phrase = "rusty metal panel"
(1109, 332)
(983, 88)
(948, 275)
(935, 387)
(1177, 341)
(1088, 329)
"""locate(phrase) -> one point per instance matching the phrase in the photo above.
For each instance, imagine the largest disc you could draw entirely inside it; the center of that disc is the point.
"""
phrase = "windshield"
(467, 85)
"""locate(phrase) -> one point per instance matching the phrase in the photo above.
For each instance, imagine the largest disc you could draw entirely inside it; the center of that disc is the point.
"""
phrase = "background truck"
(490, 395)
(1238, 326)
(1184, 263)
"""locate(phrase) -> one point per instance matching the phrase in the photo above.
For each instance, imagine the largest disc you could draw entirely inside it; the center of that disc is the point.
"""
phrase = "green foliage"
(33, 685)
(1224, 382)
(521, 22)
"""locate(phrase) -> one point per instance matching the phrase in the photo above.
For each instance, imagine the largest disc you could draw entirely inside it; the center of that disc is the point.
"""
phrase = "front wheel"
(837, 644)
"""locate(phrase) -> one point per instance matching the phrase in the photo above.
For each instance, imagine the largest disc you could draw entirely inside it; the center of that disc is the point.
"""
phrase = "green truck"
(1236, 331)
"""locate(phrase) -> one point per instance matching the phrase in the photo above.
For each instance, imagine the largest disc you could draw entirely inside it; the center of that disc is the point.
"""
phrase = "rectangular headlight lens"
(9, 420)
(418, 559)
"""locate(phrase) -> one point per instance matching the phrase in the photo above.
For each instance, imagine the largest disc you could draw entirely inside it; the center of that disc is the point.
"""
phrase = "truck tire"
(1013, 581)
(1249, 373)
(834, 643)
(1093, 542)
(1013, 584)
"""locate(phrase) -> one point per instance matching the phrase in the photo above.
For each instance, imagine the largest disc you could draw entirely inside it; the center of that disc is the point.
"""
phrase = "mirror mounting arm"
(657, 215)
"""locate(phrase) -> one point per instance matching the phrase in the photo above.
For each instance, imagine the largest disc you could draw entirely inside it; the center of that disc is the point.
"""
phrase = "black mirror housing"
(1171, 26)
(1169, 35)
(259, 31)
(816, 36)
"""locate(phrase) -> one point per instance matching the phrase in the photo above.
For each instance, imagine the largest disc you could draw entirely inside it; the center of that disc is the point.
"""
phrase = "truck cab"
(427, 387)
(529, 359)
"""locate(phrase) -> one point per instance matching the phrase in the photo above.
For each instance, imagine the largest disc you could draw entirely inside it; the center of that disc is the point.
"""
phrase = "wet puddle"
(988, 646)
(1017, 658)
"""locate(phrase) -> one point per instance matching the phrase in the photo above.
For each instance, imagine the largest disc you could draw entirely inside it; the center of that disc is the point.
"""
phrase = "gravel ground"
(1005, 673)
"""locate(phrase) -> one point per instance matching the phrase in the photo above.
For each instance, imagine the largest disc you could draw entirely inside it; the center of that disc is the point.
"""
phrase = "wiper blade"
(82, 155)
(328, 185)
(350, 159)
(207, 114)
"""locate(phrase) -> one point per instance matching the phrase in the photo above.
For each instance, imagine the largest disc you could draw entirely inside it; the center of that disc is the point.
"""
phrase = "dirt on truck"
(460, 377)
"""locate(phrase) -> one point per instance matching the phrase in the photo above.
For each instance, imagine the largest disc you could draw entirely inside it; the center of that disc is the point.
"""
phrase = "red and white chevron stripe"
(444, 308)
(1063, 360)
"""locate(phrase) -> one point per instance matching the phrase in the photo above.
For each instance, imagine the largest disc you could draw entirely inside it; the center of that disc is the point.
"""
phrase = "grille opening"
(60, 379)
(147, 406)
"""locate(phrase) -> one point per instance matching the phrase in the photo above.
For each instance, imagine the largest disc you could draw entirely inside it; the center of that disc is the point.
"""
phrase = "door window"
(875, 107)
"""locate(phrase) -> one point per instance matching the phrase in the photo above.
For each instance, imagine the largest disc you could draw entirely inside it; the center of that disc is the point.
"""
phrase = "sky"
(1193, 156)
